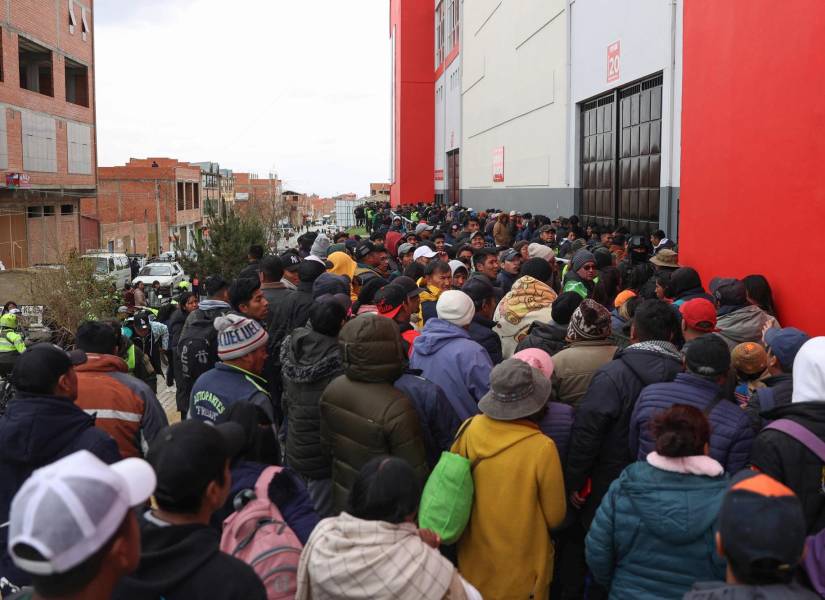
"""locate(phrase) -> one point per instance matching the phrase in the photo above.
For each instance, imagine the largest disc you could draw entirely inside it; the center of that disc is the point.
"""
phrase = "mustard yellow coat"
(506, 551)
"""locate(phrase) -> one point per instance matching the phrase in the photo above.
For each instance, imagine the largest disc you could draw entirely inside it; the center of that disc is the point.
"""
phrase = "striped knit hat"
(238, 336)
(590, 321)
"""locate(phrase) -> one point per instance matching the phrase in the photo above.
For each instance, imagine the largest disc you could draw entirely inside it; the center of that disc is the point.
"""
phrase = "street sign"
(33, 314)
(614, 54)
(439, 174)
(498, 164)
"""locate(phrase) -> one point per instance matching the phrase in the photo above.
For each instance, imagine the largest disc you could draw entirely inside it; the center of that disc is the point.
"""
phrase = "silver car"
(169, 274)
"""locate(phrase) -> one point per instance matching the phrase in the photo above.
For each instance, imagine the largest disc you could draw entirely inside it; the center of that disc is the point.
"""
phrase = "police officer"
(12, 344)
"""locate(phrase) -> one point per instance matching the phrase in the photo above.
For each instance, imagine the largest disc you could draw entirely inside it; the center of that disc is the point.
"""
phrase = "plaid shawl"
(351, 558)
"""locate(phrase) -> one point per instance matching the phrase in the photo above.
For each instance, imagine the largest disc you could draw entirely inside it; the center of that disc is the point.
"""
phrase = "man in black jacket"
(43, 424)
(280, 299)
(254, 256)
(785, 458)
(311, 357)
(180, 556)
(197, 349)
(599, 449)
(481, 327)
(308, 272)
(782, 346)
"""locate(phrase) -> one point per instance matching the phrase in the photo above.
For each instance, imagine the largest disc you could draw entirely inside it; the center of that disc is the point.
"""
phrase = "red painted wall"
(414, 23)
(753, 113)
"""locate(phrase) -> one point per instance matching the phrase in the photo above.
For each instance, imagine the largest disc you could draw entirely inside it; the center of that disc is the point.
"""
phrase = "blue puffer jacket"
(36, 431)
(439, 422)
(731, 435)
(447, 356)
(653, 535)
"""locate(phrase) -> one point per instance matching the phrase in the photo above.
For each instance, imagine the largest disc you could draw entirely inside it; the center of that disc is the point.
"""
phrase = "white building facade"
(514, 114)
(572, 106)
(625, 89)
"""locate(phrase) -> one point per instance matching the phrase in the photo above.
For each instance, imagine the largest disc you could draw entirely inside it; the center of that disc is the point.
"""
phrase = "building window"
(455, 21)
(4, 150)
(72, 17)
(181, 195)
(79, 139)
(439, 34)
(77, 83)
(196, 195)
(39, 143)
(67, 209)
(34, 212)
(85, 24)
(35, 67)
(48, 211)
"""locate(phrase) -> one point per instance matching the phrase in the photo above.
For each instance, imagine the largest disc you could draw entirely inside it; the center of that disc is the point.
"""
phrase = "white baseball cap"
(70, 509)
(424, 252)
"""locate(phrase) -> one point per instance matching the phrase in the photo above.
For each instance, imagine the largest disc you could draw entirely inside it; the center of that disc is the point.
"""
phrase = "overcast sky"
(301, 88)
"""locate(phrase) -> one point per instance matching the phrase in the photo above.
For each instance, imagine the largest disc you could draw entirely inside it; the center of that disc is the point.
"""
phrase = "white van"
(110, 265)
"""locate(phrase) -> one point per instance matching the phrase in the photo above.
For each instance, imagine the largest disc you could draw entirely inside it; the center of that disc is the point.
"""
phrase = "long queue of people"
(486, 406)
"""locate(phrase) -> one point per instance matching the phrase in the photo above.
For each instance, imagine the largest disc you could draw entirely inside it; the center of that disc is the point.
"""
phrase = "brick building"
(261, 195)
(211, 188)
(47, 128)
(147, 206)
(380, 189)
(227, 183)
(321, 206)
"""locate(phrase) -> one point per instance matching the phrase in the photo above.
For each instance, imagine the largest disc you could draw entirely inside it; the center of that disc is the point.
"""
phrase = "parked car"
(169, 274)
(110, 265)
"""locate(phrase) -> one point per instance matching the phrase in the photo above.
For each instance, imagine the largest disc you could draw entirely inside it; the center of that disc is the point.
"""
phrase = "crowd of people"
(625, 431)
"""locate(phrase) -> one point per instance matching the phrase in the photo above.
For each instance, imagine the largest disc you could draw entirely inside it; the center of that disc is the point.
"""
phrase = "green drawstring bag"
(447, 499)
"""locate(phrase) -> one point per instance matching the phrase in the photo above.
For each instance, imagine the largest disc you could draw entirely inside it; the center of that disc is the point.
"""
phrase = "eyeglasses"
(588, 268)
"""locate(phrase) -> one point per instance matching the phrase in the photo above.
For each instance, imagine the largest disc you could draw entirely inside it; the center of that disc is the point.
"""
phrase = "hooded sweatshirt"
(36, 431)
(743, 324)
(447, 356)
(783, 457)
(653, 535)
(506, 551)
(181, 562)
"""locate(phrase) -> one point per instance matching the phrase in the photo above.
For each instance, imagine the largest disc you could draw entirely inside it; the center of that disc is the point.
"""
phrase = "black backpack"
(197, 352)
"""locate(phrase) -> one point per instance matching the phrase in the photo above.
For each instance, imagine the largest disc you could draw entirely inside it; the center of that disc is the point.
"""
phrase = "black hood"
(170, 555)
(308, 356)
(37, 428)
(552, 331)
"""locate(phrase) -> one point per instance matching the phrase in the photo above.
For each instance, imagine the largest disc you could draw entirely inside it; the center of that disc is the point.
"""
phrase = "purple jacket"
(446, 355)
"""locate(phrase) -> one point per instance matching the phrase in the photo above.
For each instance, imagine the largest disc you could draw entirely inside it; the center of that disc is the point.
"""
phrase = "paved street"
(166, 395)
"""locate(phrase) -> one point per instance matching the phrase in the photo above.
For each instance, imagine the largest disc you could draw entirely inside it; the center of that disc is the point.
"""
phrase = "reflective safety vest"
(12, 341)
(130, 358)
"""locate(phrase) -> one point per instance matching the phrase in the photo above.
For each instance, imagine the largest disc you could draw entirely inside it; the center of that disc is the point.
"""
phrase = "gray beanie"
(581, 258)
(320, 246)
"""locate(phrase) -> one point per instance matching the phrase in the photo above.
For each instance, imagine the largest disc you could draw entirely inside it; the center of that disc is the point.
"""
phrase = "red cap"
(699, 314)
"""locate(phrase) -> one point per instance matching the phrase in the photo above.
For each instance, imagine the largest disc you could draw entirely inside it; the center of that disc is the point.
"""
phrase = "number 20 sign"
(614, 52)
